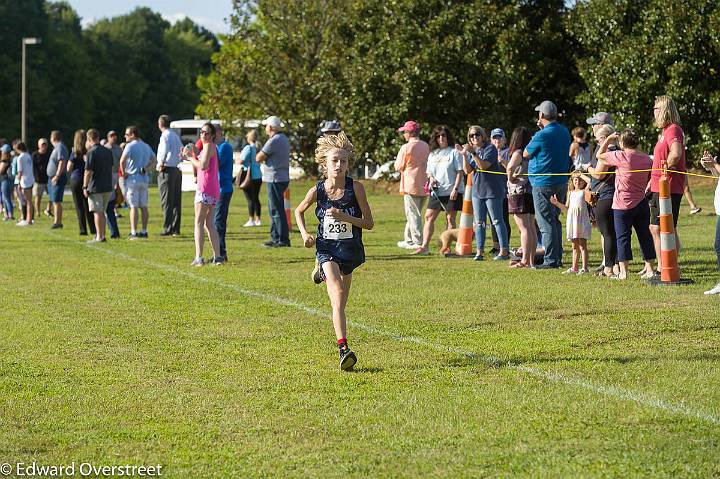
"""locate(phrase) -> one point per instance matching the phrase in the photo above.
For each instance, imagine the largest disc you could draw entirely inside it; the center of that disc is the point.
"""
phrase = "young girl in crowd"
(578, 224)
(207, 194)
(580, 149)
(342, 212)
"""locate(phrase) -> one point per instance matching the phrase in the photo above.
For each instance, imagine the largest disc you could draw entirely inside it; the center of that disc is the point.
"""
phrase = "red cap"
(410, 125)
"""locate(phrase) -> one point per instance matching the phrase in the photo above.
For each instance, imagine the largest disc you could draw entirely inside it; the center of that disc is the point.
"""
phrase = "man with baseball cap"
(411, 162)
(548, 152)
(600, 118)
(275, 164)
(499, 141)
(330, 127)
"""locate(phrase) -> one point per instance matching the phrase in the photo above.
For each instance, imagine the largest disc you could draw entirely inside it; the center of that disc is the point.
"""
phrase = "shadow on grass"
(394, 257)
(367, 370)
(495, 363)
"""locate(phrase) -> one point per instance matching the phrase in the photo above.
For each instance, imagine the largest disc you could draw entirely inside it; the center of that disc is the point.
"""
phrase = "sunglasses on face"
(475, 135)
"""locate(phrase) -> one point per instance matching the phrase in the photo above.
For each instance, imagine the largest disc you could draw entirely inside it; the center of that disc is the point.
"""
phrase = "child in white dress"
(578, 225)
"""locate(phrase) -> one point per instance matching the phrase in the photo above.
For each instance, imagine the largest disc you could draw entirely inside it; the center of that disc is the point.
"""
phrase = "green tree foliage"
(372, 64)
(633, 51)
(145, 67)
(120, 71)
(281, 60)
(31, 15)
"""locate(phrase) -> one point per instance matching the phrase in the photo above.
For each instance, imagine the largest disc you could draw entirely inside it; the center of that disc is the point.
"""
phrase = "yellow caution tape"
(601, 173)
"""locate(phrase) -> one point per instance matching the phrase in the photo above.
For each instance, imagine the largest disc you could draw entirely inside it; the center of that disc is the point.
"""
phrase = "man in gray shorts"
(98, 181)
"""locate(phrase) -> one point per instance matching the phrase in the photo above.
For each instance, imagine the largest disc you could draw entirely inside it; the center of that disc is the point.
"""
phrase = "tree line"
(372, 64)
(119, 71)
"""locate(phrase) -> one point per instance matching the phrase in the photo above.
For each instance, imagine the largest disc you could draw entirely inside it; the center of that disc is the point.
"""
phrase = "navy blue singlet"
(338, 241)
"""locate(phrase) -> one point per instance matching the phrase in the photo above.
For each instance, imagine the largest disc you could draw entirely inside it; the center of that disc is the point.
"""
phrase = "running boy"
(342, 212)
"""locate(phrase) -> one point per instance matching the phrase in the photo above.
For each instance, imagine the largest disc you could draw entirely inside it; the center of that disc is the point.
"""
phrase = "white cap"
(273, 121)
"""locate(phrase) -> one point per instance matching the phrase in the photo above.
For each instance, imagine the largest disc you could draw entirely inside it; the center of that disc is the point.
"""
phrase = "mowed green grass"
(124, 354)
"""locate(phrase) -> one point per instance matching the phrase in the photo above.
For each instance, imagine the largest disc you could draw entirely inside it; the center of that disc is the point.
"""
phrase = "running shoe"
(478, 257)
(22, 223)
(249, 223)
(197, 262)
(650, 275)
(715, 290)
(217, 260)
(315, 275)
(258, 223)
(347, 359)
(570, 271)
(695, 211)
(501, 257)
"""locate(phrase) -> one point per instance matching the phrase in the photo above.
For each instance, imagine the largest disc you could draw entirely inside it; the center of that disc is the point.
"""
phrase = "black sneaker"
(142, 235)
(347, 359)
(56, 226)
(315, 275)
(269, 244)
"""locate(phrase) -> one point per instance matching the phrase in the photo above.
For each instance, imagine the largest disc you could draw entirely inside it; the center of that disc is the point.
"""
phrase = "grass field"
(124, 354)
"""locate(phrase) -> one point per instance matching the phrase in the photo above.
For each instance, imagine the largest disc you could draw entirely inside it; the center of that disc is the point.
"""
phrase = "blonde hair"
(332, 142)
(668, 113)
(578, 174)
(604, 131)
(480, 130)
(251, 136)
(79, 143)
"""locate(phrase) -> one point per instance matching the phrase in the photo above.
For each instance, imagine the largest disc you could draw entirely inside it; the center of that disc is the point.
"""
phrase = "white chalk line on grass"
(606, 390)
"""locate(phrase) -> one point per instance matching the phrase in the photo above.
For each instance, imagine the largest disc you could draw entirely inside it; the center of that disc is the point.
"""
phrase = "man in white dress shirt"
(169, 176)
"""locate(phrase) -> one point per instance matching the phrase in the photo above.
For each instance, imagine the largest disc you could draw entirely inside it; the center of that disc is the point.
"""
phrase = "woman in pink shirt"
(206, 195)
(630, 208)
(669, 150)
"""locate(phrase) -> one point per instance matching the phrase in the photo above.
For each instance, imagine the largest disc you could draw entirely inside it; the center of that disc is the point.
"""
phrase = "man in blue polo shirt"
(548, 152)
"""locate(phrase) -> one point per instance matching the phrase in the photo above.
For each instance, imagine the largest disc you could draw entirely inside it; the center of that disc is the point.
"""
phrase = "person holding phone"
(445, 176)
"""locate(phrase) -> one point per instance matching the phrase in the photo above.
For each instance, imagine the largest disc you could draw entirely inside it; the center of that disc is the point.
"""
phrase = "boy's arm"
(307, 202)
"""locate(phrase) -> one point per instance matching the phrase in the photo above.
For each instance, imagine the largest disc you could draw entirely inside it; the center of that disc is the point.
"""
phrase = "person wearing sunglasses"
(206, 195)
(488, 189)
(135, 162)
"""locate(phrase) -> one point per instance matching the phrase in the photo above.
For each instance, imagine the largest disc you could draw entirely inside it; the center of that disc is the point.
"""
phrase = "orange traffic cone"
(669, 269)
(463, 246)
(288, 208)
